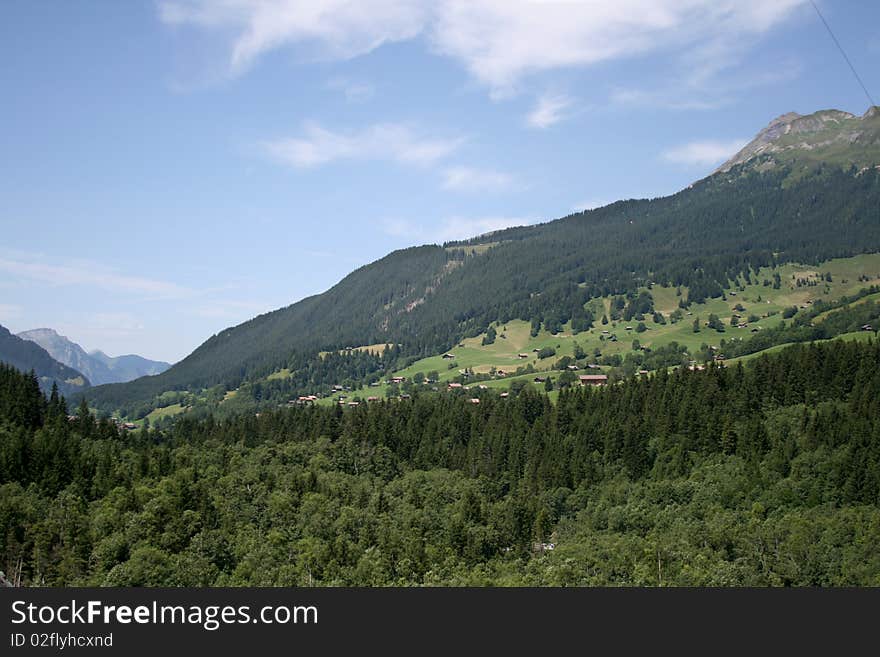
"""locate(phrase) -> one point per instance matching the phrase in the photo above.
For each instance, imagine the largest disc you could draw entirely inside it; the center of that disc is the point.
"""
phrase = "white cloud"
(548, 111)
(89, 273)
(385, 141)
(702, 153)
(353, 90)
(451, 228)
(339, 29)
(499, 42)
(469, 179)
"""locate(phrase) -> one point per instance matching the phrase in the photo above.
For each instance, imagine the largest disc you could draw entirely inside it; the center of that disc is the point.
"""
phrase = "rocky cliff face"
(25, 355)
(63, 350)
(97, 366)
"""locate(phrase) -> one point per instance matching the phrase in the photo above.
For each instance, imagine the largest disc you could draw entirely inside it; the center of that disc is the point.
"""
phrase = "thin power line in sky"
(840, 48)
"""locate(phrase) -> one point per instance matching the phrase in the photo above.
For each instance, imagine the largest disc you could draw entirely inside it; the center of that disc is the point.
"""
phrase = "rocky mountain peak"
(811, 132)
(41, 332)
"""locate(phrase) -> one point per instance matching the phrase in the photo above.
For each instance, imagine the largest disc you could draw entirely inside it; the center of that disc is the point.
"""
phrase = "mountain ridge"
(26, 355)
(427, 298)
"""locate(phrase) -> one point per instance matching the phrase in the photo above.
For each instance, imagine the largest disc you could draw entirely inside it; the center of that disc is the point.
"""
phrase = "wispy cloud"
(334, 29)
(122, 322)
(91, 274)
(385, 141)
(499, 42)
(451, 228)
(458, 228)
(548, 111)
(320, 253)
(229, 309)
(590, 204)
(354, 91)
(111, 332)
(672, 100)
(469, 179)
(698, 92)
(702, 153)
(114, 310)
(396, 227)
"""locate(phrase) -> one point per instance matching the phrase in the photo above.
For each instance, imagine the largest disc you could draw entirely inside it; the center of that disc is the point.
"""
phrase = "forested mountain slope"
(357, 307)
(427, 298)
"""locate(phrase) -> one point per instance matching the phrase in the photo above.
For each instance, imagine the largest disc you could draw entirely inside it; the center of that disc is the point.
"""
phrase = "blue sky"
(173, 168)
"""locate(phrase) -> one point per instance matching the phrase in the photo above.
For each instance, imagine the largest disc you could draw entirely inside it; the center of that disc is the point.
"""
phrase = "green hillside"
(765, 302)
(514, 358)
(725, 229)
(424, 422)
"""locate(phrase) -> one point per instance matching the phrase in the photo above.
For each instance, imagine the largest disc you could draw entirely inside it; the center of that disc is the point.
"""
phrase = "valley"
(680, 390)
(408, 294)
(778, 209)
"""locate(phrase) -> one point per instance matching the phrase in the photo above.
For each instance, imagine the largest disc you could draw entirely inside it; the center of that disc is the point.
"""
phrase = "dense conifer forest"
(763, 474)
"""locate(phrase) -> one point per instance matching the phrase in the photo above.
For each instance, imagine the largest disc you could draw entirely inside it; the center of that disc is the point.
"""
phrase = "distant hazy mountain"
(26, 356)
(130, 366)
(97, 366)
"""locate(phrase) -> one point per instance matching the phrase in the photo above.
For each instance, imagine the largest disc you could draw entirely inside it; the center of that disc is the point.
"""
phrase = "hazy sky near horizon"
(172, 168)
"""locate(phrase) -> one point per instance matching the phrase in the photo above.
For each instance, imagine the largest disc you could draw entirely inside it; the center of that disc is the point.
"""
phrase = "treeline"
(316, 374)
(427, 298)
(760, 475)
